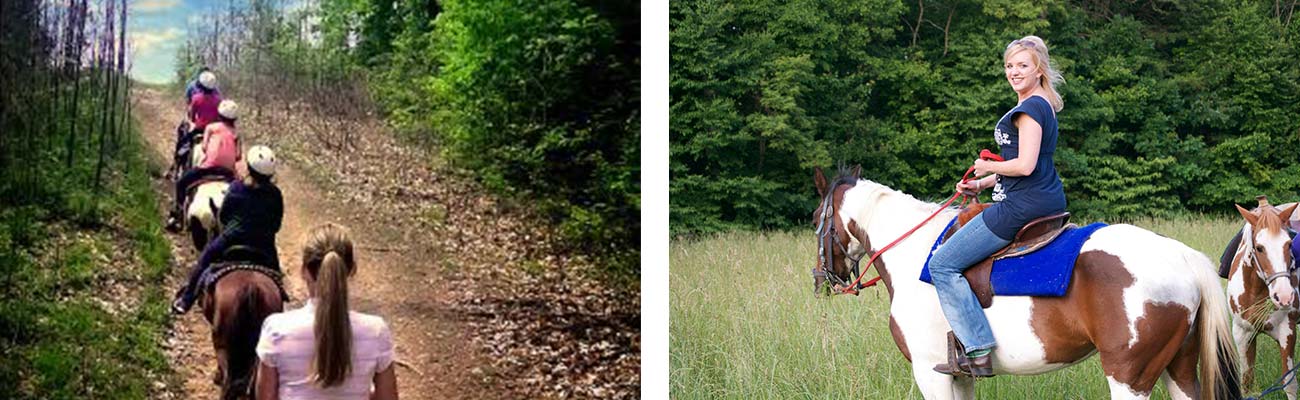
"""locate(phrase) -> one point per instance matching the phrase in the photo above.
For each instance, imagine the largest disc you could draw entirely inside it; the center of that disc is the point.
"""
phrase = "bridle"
(826, 227)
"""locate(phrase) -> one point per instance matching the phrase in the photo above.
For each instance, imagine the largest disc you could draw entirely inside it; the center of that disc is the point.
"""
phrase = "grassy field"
(744, 324)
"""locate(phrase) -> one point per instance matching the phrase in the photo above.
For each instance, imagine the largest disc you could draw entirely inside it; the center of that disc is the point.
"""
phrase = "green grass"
(744, 324)
(82, 307)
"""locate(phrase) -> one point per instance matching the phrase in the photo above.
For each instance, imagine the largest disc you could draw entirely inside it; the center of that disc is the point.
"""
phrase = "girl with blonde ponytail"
(324, 350)
(1025, 187)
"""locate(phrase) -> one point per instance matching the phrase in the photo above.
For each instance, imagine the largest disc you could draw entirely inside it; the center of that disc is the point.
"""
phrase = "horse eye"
(1259, 248)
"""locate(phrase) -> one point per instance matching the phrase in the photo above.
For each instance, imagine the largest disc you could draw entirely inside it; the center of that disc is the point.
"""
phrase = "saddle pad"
(1045, 272)
(216, 271)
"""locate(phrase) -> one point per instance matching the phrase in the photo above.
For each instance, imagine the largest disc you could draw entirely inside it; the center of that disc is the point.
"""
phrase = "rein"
(825, 226)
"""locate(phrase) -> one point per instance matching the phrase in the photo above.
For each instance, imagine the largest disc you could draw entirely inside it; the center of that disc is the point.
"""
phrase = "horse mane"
(843, 176)
(878, 193)
(1270, 218)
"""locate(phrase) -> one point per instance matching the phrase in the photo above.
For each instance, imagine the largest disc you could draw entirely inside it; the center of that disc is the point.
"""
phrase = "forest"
(538, 99)
(516, 122)
(1171, 107)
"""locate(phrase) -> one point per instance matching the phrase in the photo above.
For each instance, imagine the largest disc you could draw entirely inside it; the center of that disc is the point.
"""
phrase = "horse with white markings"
(1262, 286)
(1149, 305)
(203, 207)
(203, 210)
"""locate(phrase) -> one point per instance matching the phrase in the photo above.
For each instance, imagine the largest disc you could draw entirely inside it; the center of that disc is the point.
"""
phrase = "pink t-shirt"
(288, 343)
(203, 108)
(220, 146)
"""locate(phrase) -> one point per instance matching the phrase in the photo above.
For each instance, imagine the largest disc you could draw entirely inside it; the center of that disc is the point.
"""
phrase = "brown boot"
(960, 365)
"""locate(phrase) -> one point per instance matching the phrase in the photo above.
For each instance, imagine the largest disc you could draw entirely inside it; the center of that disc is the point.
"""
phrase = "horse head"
(1267, 249)
(834, 263)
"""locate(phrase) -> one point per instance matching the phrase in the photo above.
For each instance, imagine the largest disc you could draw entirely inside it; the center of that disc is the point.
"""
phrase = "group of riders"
(251, 213)
(321, 350)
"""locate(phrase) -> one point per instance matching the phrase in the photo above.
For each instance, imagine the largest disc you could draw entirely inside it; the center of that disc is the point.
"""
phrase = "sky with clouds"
(157, 28)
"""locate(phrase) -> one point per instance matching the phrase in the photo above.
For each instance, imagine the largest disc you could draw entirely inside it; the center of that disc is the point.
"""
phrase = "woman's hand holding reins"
(984, 167)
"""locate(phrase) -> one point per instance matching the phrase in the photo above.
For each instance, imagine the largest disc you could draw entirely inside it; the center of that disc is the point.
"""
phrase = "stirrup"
(958, 363)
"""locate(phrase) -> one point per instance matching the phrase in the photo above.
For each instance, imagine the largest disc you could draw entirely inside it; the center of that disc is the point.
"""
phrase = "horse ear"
(1250, 217)
(857, 171)
(1286, 212)
(820, 180)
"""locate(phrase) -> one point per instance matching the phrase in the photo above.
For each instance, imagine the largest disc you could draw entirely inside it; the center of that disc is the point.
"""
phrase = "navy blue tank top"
(1020, 199)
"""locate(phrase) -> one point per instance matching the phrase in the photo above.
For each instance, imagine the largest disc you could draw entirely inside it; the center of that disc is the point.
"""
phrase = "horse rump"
(257, 298)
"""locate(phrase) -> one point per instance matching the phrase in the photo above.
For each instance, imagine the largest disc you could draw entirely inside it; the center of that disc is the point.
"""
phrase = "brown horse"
(1151, 307)
(235, 308)
(1262, 287)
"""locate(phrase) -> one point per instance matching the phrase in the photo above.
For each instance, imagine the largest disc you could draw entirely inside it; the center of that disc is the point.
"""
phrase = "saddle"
(241, 258)
(1031, 237)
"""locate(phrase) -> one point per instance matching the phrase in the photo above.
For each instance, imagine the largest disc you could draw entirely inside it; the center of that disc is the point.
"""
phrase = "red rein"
(985, 154)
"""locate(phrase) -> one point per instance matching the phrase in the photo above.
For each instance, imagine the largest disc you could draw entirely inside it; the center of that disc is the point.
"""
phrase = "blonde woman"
(323, 350)
(1025, 186)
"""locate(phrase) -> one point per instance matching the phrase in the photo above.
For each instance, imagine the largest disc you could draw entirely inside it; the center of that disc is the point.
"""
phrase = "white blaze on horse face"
(1274, 243)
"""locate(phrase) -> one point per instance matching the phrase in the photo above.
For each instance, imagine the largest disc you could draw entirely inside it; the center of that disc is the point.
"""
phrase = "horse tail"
(245, 330)
(1220, 378)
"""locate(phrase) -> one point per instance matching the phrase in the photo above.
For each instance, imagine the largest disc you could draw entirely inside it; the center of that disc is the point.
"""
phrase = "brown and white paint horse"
(1262, 287)
(1151, 306)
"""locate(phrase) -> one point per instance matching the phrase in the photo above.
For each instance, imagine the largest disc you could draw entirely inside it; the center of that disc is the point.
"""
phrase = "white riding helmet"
(228, 109)
(262, 160)
(208, 80)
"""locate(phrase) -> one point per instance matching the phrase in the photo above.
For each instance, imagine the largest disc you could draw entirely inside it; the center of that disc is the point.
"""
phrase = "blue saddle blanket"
(1045, 272)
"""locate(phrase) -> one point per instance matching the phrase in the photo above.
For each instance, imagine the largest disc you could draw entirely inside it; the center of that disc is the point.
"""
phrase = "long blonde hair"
(327, 257)
(1050, 77)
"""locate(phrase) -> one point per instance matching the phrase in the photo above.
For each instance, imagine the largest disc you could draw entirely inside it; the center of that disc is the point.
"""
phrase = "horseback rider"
(194, 84)
(324, 350)
(203, 101)
(251, 216)
(1025, 186)
(220, 154)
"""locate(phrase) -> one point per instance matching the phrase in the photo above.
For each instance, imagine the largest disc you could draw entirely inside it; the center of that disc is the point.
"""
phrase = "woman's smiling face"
(1022, 73)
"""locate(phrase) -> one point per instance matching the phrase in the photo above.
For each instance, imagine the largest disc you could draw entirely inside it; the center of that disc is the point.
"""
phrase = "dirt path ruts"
(427, 336)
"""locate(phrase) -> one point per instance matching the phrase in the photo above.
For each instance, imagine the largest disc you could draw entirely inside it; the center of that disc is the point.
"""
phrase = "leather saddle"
(1033, 236)
(242, 257)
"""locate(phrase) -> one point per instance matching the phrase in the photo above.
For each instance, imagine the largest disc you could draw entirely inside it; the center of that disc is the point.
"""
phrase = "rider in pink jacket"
(202, 100)
(220, 153)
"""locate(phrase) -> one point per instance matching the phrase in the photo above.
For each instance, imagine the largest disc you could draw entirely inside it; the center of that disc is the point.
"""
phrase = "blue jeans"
(971, 244)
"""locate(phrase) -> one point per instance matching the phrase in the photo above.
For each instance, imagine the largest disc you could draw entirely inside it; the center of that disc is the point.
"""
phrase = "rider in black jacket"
(251, 216)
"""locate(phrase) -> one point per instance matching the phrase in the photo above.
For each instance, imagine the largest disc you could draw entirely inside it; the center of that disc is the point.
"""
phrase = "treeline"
(1170, 106)
(540, 99)
(82, 258)
(64, 110)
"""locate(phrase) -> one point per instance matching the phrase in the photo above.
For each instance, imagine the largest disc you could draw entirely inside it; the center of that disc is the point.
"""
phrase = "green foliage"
(59, 339)
(539, 98)
(1169, 107)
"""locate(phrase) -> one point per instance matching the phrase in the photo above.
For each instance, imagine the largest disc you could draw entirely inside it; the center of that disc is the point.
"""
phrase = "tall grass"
(744, 324)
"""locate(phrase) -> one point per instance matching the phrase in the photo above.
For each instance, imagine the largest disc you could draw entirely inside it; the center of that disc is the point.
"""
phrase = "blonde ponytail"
(328, 258)
(1038, 49)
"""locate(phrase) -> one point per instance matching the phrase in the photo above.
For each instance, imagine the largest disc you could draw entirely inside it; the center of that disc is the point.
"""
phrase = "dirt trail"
(393, 281)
